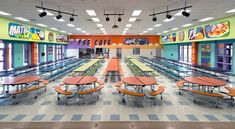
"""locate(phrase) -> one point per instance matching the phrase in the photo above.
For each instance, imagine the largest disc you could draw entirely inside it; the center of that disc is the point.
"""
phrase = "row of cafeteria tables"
(142, 67)
(82, 69)
(212, 71)
(113, 69)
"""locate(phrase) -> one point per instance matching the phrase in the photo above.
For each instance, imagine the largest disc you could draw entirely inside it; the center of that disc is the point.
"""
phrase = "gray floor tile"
(191, 117)
(38, 117)
(57, 117)
(172, 117)
(19, 117)
(3, 116)
(115, 117)
(107, 102)
(153, 117)
(211, 118)
(229, 117)
(134, 117)
(96, 117)
(46, 103)
(77, 117)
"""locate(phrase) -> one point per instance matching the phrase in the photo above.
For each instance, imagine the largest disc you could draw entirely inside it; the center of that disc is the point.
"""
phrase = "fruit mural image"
(217, 30)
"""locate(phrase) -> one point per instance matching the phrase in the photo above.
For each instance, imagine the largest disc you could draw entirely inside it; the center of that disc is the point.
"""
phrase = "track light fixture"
(114, 14)
(169, 16)
(43, 14)
(59, 16)
(185, 13)
(154, 18)
(119, 19)
(107, 18)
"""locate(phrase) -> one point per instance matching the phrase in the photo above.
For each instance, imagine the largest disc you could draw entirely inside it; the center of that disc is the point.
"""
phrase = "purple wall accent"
(77, 45)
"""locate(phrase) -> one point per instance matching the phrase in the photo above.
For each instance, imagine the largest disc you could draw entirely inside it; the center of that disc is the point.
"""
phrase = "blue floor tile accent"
(96, 117)
(19, 117)
(114, 93)
(46, 103)
(211, 118)
(38, 117)
(172, 117)
(167, 103)
(57, 117)
(114, 117)
(153, 117)
(77, 117)
(107, 102)
(134, 117)
(2, 116)
(191, 117)
(229, 117)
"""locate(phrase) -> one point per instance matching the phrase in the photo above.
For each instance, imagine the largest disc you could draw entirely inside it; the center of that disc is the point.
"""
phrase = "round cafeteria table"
(205, 81)
(80, 80)
(139, 81)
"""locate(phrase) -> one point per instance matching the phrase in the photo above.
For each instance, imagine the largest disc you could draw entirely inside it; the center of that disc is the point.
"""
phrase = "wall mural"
(196, 33)
(181, 36)
(18, 31)
(37, 34)
(173, 37)
(61, 37)
(205, 55)
(166, 38)
(50, 36)
(217, 30)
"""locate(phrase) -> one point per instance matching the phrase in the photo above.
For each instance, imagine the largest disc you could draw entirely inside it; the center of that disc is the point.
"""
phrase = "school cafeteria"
(117, 64)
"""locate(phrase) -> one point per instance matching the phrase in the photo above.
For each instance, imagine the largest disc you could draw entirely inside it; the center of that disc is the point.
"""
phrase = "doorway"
(119, 53)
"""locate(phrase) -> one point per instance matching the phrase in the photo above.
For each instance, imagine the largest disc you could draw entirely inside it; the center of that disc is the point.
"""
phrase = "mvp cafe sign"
(23, 32)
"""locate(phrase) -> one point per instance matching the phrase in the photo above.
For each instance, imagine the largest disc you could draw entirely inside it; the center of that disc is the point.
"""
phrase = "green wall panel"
(18, 55)
(171, 52)
(41, 50)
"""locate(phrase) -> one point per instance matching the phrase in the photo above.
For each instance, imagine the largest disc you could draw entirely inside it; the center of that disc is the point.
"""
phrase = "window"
(1, 56)
(224, 55)
(26, 54)
(136, 51)
(10, 56)
(58, 52)
(185, 53)
(45, 53)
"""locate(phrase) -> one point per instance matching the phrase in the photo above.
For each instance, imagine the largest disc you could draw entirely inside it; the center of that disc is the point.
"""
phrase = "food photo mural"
(166, 38)
(196, 33)
(217, 30)
(37, 34)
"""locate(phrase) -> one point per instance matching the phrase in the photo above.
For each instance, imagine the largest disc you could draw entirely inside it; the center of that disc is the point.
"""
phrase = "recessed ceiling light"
(70, 25)
(42, 25)
(102, 29)
(230, 11)
(91, 12)
(126, 29)
(54, 28)
(48, 13)
(187, 25)
(84, 32)
(95, 19)
(60, 20)
(104, 32)
(168, 20)
(180, 12)
(78, 29)
(157, 25)
(174, 29)
(62, 31)
(145, 31)
(136, 12)
(166, 31)
(159, 33)
(206, 19)
(132, 19)
(22, 19)
(128, 25)
(149, 29)
(87, 33)
(69, 33)
(141, 33)
(4, 13)
(99, 25)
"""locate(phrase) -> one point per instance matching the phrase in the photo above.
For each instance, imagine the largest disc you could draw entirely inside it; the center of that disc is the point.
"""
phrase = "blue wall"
(171, 52)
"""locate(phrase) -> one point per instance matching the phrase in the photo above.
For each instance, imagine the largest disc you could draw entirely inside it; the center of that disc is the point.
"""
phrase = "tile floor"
(109, 107)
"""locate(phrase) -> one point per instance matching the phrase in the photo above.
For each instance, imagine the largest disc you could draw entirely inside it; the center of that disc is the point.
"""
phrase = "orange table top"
(139, 80)
(80, 80)
(18, 80)
(205, 81)
(113, 65)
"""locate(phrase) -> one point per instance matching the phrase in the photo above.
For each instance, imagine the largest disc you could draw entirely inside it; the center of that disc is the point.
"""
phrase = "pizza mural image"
(216, 30)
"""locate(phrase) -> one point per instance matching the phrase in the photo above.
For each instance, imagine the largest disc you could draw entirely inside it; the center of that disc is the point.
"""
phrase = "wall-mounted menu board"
(136, 41)
(217, 30)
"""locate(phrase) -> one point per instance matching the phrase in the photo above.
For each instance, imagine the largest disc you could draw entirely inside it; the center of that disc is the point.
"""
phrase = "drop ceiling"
(201, 9)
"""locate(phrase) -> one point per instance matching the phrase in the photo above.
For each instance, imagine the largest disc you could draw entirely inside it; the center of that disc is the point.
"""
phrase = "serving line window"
(26, 54)
(136, 51)
(185, 53)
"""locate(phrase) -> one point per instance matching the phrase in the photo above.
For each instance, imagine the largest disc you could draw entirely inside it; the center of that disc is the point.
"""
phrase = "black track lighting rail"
(172, 10)
(54, 10)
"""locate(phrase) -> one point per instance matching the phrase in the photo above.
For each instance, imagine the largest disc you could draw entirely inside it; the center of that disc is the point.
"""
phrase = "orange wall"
(154, 39)
(34, 58)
